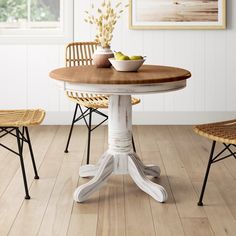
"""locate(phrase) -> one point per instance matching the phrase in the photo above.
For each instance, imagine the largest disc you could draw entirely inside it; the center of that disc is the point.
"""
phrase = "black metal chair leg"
(27, 196)
(200, 203)
(89, 134)
(71, 128)
(134, 148)
(36, 176)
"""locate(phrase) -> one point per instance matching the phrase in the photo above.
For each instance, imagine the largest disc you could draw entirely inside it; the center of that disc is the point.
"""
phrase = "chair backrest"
(79, 53)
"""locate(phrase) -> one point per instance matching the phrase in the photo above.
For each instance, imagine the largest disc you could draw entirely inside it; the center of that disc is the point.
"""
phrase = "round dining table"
(120, 158)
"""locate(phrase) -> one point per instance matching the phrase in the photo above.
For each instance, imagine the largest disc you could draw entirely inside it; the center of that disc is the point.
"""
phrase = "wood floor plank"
(31, 213)
(197, 227)
(231, 166)
(165, 216)
(181, 185)
(84, 216)
(137, 210)
(9, 166)
(221, 220)
(188, 152)
(57, 215)
(12, 199)
(111, 209)
(111, 220)
(137, 205)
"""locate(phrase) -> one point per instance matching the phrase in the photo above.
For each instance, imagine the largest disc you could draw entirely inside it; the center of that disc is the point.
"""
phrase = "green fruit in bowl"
(123, 58)
(118, 55)
(136, 58)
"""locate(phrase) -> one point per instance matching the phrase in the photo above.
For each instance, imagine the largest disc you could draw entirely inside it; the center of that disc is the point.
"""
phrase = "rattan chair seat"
(19, 118)
(95, 101)
(224, 132)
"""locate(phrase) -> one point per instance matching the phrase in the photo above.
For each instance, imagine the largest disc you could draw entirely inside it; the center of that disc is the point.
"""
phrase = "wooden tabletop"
(147, 74)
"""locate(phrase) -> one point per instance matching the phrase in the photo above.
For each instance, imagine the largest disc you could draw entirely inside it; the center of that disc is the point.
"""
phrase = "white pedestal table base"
(119, 158)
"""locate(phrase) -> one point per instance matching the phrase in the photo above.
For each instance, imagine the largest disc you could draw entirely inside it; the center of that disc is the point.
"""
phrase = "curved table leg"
(137, 174)
(151, 170)
(105, 169)
(91, 170)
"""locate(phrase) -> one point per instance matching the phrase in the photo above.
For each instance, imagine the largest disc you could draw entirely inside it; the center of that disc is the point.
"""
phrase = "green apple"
(136, 58)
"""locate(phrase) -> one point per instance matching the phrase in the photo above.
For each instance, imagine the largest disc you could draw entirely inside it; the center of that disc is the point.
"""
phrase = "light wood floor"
(120, 208)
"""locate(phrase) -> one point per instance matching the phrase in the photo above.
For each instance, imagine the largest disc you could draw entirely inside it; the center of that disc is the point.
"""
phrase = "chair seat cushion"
(18, 118)
(224, 132)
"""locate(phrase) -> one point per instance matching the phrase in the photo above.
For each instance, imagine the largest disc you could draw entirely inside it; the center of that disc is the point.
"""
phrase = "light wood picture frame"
(177, 14)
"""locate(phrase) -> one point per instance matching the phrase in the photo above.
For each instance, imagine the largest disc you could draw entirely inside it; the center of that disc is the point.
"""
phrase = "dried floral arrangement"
(104, 18)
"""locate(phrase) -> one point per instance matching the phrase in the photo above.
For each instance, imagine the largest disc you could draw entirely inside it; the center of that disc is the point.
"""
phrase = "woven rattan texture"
(94, 101)
(224, 132)
(78, 54)
(18, 118)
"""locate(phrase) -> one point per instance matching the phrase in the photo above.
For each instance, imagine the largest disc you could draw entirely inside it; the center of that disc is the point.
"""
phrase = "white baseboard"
(149, 118)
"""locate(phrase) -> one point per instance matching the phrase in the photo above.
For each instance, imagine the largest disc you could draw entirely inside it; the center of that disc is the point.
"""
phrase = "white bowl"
(126, 65)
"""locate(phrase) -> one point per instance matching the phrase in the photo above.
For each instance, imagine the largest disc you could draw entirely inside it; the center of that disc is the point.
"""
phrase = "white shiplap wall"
(209, 55)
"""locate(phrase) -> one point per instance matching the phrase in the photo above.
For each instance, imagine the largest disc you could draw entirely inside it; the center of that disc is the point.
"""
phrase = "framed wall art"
(177, 14)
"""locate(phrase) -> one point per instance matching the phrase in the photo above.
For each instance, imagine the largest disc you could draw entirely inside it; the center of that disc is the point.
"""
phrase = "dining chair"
(223, 132)
(77, 54)
(16, 123)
